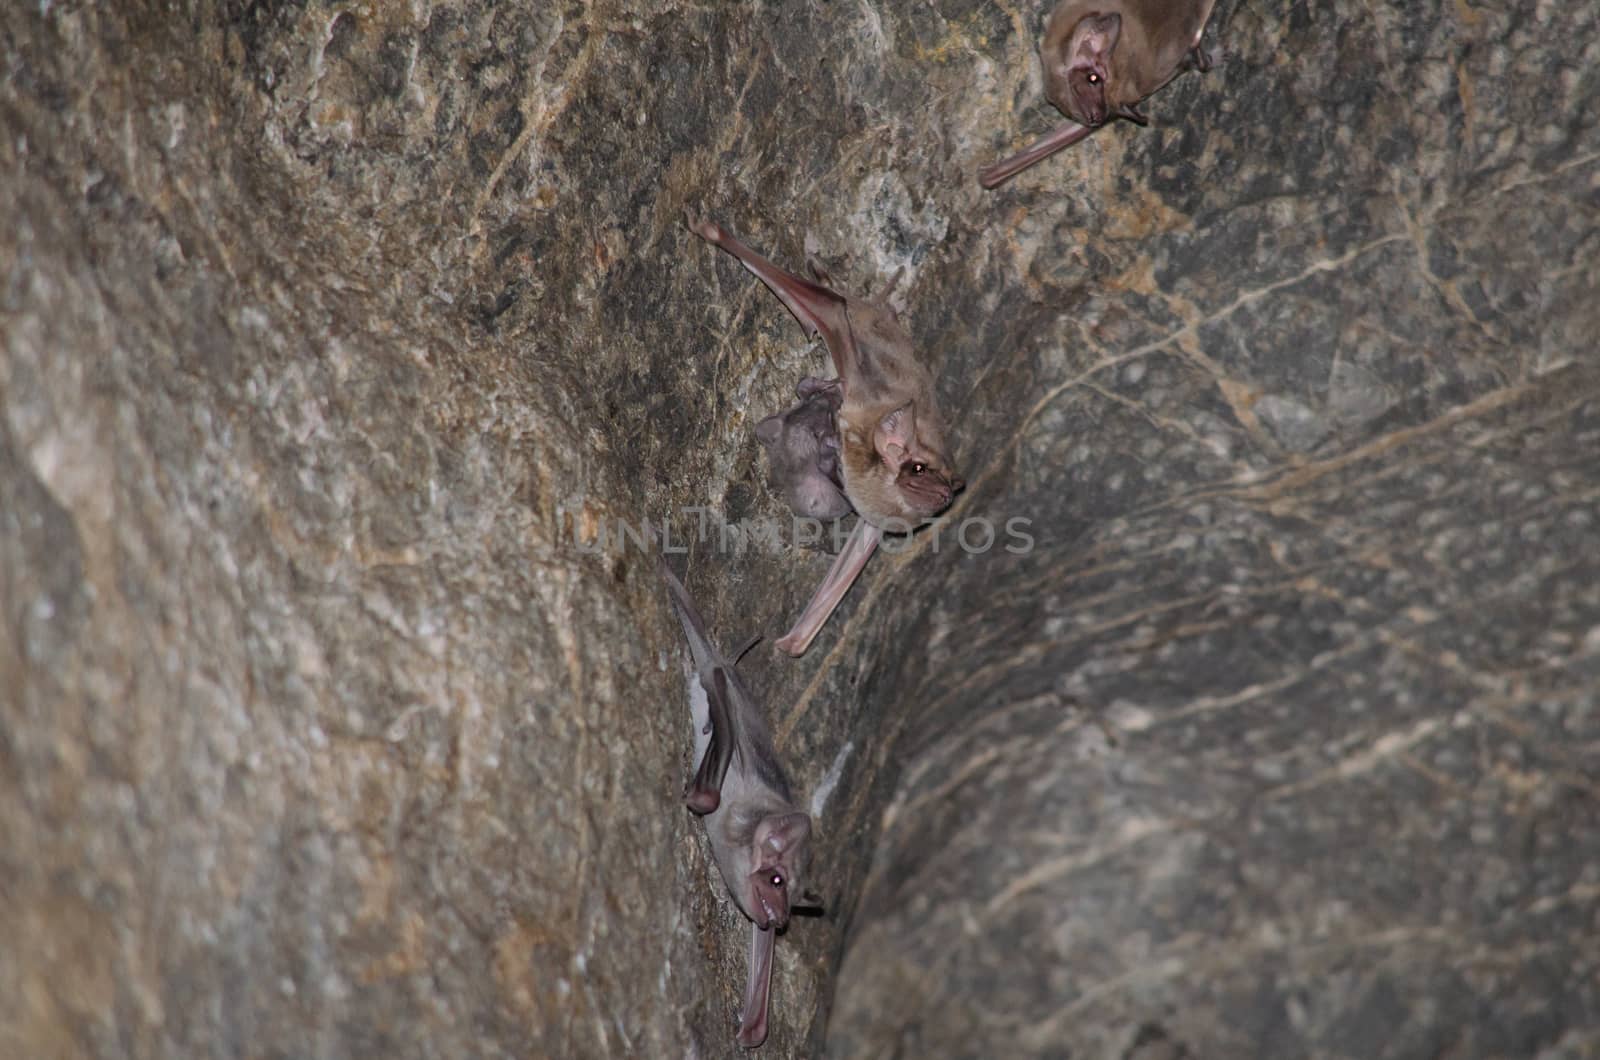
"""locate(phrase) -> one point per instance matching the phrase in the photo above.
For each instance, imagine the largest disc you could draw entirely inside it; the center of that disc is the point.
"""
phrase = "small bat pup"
(803, 448)
(761, 841)
(895, 470)
(1101, 58)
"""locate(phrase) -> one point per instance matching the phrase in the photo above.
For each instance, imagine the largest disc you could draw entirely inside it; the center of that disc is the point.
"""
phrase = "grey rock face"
(334, 338)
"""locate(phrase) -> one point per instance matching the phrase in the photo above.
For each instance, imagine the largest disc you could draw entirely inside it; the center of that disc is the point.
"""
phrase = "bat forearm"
(845, 570)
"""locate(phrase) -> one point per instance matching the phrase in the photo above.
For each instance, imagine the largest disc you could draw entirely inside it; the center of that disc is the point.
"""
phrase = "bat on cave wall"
(887, 456)
(1101, 59)
(760, 839)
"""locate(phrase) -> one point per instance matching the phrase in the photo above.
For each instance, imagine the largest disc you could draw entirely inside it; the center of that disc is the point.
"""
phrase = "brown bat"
(897, 473)
(761, 841)
(1101, 58)
(803, 449)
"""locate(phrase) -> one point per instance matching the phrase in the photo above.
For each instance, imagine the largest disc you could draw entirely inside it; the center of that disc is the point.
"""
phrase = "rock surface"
(332, 331)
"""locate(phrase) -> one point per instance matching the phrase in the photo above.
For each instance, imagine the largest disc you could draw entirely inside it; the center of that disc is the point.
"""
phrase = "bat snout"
(776, 919)
(953, 484)
(769, 901)
(945, 489)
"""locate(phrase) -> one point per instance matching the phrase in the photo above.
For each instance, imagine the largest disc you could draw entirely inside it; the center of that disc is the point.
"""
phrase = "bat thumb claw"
(702, 802)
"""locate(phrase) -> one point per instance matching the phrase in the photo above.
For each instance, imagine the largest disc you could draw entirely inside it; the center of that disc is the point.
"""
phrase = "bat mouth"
(926, 492)
(1090, 104)
(932, 497)
(774, 920)
(1095, 115)
(767, 900)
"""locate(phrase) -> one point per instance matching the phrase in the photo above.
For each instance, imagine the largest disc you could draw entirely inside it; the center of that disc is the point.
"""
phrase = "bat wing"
(1065, 135)
(706, 656)
(820, 310)
(757, 989)
(846, 569)
(726, 700)
(705, 788)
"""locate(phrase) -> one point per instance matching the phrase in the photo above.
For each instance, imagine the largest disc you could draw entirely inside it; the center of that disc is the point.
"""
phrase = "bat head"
(913, 480)
(1083, 69)
(782, 854)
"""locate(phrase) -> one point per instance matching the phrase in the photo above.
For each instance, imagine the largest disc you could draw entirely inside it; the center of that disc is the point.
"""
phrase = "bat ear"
(1096, 37)
(769, 429)
(893, 436)
(781, 833)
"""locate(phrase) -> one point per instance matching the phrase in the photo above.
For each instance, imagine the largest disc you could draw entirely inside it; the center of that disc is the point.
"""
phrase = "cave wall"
(332, 331)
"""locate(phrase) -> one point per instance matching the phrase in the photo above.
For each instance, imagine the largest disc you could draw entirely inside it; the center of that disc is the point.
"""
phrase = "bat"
(1101, 59)
(803, 448)
(896, 470)
(760, 839)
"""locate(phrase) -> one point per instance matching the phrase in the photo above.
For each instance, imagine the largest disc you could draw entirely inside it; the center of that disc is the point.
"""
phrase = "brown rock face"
(334, 337)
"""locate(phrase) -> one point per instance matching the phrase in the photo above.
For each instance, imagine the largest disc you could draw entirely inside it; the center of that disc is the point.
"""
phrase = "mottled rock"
(339, 342)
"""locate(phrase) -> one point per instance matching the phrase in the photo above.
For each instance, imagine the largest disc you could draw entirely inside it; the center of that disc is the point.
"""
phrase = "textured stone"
(331, 331)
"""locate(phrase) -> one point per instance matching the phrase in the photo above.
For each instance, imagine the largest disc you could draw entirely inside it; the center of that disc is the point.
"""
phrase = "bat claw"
(709, 231)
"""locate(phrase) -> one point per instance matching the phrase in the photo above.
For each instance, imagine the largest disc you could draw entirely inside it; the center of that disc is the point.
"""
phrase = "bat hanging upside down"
(1101, 58)
(889, 453)
(760, 839)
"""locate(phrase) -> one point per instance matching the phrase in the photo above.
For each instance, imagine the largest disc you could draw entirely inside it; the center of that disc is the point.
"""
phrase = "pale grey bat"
(897, 472)
(1101, 58)
(760, 839)
(803, 448)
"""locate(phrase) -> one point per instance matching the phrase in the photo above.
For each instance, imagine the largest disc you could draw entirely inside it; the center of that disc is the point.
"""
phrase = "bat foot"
(709, 231)
(1198, 59)
(793, 646)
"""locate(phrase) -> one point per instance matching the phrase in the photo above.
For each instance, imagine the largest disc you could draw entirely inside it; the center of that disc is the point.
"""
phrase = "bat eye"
(1094, 79)
(777, 879)
(918, 469)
